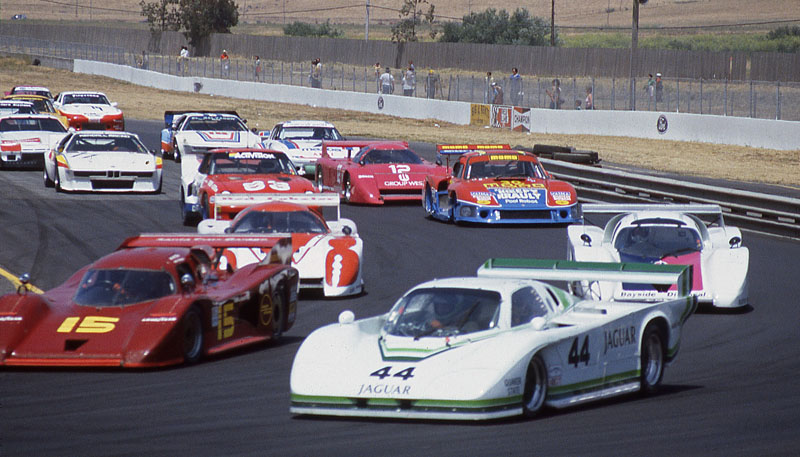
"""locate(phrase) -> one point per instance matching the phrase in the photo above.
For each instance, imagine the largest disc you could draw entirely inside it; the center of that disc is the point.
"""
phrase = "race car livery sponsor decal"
(482, 198)
(501, 116)
(560, 196)
(222, 137)
(513, 386)
(519, 195)
(513, 184)
(521, 119)
(503, 156)
(224, 320)
(265, 310)
(251, 155)
(388, 389)
(341, 262)
(279, 186)
(619, 337)
(254, 186)
(479, 114)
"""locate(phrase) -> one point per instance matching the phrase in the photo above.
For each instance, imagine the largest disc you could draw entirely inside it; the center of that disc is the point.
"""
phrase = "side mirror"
(538, 323)
(187, 281)
(439, 161)
(587, 240)
(347, 230)
(346, 317)
(24, 279)
(735, 242)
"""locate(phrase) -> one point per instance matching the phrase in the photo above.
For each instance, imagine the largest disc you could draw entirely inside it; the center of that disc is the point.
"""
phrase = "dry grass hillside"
(729, 162)
(568, 12)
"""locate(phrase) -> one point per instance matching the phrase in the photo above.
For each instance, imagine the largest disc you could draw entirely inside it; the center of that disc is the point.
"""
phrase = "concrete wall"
(782, 135)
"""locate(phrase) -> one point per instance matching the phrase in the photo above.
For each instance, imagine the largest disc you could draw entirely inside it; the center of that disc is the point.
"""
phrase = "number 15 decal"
(89, 324)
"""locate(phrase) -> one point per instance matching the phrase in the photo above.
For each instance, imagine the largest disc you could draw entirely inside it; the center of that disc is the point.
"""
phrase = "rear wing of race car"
(339, 149)
(226, 202)
(701, 210)
(661, 277)
(448, 150)
(213, 245)
(169, 116)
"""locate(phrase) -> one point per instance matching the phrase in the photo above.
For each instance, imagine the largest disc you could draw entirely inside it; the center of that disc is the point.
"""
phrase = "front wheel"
(278, 307)
(347, 189)
(652, 360)
(427, 202)
(535, 387)
(176, 153)
(57, 182)
(204, 209)
(318, 179)
(47, 181)
(192, 336)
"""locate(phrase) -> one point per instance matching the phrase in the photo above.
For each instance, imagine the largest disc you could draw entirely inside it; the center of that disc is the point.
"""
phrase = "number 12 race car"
(492, 184)
(148, 304)
(497, 345)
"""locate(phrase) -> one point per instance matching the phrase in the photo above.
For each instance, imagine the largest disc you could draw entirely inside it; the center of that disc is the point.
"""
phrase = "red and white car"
(89, 111)
(25, 139)
(374, 172)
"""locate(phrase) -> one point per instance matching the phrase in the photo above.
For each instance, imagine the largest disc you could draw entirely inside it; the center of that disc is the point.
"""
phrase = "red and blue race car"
(153, 302)
(493, 184)
(374, 172)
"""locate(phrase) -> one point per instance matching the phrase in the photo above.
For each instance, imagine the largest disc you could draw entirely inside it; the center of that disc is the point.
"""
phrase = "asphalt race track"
(732, 391)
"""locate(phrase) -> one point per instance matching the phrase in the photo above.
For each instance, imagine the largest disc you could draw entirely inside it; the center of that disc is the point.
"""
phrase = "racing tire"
(535, 387)
(347, 189)
(204, 207)
(318, 179)
(652, 360)
(192, 336)
(427, 202)
(187, 217)
(57, 182)
(176, 153)
(47, 181)
(278, 307)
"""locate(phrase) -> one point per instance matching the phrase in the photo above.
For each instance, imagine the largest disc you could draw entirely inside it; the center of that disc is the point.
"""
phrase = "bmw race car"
(373, 172)
(97, 161)
(492, 184)
(196, 132)
(301, 141)
(236, 171)
(326, 253)
(25, 139)
(500, 344)
(89, 111)
(148, 305)
(693, 234)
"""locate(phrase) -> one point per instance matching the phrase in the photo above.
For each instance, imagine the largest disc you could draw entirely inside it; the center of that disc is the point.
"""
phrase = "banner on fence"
(501, 116)
(479, 114)
(521, 119)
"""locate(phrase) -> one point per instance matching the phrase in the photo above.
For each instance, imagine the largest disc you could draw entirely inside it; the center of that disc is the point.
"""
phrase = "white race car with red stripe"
(89, 111)
(690, 234)
(25, 139)
(327, 254)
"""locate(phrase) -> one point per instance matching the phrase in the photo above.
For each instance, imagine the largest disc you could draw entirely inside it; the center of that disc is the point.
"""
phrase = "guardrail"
(771, 214)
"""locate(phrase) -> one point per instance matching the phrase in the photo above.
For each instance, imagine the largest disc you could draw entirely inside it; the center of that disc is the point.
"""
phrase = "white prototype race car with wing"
(326, 253)
(692, 234)
(498, 345)
(25, 139)
(98, 161)
(301, 140)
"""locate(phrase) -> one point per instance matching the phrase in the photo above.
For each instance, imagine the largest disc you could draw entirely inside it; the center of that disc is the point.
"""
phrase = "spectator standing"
(488, 92)
(589, 102)
(387, 82)
(411, 66)
(515, 87)
(257, 68)
(225, 61)
(650, 89)
(316, 74)
(377, 68)
(182, 57)
(659, 88)
(409, 81)
(577, 104)
(431, 82)
(555, 95)
(497, 94)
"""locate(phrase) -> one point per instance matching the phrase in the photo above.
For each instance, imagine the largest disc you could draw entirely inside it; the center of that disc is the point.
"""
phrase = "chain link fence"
(756, 99)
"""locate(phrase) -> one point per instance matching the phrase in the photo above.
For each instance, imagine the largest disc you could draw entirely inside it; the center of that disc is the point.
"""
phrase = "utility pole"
(366, 24)
(553, 23)
(634, 46)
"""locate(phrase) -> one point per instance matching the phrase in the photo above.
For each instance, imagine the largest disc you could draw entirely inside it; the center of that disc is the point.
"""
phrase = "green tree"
(201, 18)
(498, 27)
(298, 28)
(162, 15)
(413, 14)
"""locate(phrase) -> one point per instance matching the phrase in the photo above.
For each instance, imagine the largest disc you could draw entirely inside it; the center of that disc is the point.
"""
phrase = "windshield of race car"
(378, 156)
(214, 124)
(103, 288)
(654, 242)
(279, 222)
(503, 166)
(249, 164)
(441, 312)
(85, 143)
(309, 133)
(45, 124)
(85, 99)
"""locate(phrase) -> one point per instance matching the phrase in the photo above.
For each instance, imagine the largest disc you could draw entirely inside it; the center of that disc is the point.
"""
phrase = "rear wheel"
(57, 182)
(535, 387)
(47, 181)
(185, 215)
(652, 360)
(278, 308)
(192, 336)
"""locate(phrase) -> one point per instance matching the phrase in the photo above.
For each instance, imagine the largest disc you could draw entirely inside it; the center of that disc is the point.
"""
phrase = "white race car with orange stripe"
(327, 254)
(687, 234)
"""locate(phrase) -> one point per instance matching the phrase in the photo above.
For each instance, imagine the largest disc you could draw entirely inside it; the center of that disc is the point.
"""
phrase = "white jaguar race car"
(89, 111)
(97, 161)
(25, 139)
(327, 253)
(692, 234)
(301, 140)
(498, 345)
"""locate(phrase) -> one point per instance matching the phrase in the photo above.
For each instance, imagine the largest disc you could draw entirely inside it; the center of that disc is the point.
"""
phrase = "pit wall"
(760, 133)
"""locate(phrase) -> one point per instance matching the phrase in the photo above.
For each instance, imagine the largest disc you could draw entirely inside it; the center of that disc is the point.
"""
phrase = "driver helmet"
(443, 307)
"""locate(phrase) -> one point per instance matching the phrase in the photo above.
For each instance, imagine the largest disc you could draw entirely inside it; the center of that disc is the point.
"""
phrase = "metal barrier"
(772, 214)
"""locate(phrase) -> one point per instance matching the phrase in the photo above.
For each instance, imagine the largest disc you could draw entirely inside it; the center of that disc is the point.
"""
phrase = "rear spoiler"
(170, 115)
(456, 149)
(615, 208)
(326, 199)
(279, 244)
(660, 276)
(352, 147)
